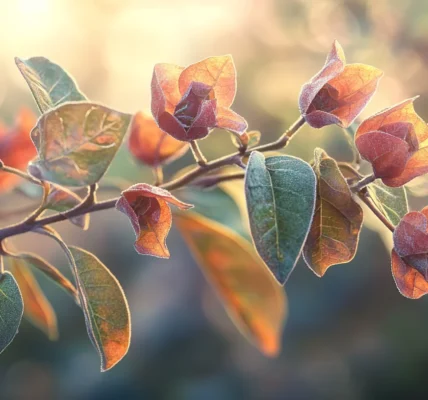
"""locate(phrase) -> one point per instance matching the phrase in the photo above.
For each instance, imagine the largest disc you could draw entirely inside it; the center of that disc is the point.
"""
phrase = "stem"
(89, 205)
(158, 173)
(33, 216)
(197, 153)
(369, 203)
(20, 173)
(363, 183)
(210, 181)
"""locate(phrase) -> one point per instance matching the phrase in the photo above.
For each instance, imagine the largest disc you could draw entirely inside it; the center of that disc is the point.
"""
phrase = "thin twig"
(20, 173)
(158, 173)
(213, 180)
(363, 183)
(197, 153)
(86, 206)
(364, 196)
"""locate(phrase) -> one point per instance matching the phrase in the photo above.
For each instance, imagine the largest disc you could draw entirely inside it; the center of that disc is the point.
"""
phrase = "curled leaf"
(410, 282)
(280, 193)
(37, 308)
(76, 143)
(11, 309)
(188, 102)
(337, 222)
(147, 208)
(16, 147)
(151, 145)
(250, 294)
(339, 92)
(49, 83)
(393, 142)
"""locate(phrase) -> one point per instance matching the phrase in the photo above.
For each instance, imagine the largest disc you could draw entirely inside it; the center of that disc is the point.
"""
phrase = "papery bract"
(151, 145)
(188, 102)
(16, 147)
(411, 247)
(147, 207)
(393, 141)
(339, 92)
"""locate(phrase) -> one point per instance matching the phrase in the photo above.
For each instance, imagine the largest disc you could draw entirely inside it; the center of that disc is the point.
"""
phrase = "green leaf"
(105, 308)
(11, 309)
(280, 194)
(391, 202)
(49, 83)
(216, 204)
(333, 237)
(76, 143)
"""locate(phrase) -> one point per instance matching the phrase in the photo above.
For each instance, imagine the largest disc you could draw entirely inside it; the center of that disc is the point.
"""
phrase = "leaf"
(409, 281)
(147, 208)
(231, 121)
(337, 222)
(76, 143)
(61, 199)
(217, 72)
(391, 202)
(11, 309)
(280, 193)
(151, 145)
(393, 142)
(339, 92)
(37, 308)
(105, 308)
(49, 83)
(251, 296)
(16, 147)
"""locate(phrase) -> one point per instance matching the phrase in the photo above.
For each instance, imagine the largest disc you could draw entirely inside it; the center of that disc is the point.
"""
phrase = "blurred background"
(350, 335)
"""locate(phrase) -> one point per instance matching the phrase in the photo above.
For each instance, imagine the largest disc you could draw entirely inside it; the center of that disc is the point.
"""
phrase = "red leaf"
(16, 147)
(217, 72)
(185, 101)
(148, 209)
(338, 93)
(409, 281)
(150, 144)
(392, 141)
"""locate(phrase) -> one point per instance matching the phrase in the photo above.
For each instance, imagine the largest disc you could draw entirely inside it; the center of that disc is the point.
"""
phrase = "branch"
(89, 204)
(363, 183)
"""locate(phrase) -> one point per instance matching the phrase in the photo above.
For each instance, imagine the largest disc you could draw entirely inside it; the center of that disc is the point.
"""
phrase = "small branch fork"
(199, 176)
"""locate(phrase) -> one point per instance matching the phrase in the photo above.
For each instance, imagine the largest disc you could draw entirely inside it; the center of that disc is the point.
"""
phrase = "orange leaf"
(231, 121)
(409, 281)
(338, 93)
(16, 147)
(37, 308)
(147, 207)
(250, 293)
(151, 145)
(217, 72)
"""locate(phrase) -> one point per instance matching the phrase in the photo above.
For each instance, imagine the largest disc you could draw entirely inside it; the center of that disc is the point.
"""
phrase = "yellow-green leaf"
(76, 143)
(49, 83)
(333, 237)
(252, 297)
(11, 309)
(37, 308)
(391, 201)
(105, 307)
